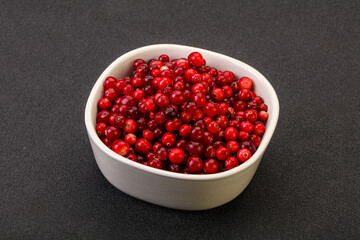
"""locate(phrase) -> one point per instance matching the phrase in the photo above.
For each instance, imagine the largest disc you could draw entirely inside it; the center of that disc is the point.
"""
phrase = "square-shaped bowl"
(177, 190)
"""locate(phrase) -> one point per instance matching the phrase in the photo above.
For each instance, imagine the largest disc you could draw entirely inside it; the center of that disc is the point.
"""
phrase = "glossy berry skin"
(251, 115)
(263, 116)
(196, 59)
(210, 109)
(109, 82)
(131, 157)
(245, 82)
(246, 126)
(242, 136)
(233, 146)
(231, 162)
(185, 130)
(217, 94)
(213, 127)
(143, 146)
(259, 129)
(194, 164)
(162, 154)
(196, 133)
(177, 97)
(230, 134)
(110, 94)
(120, 147)
(130, 126)
(148, 134)
(106, 141)
(104, 104)
(162, 101)
(255, 139)
(168, 139)
(103, 116)
(222, 153)
(100, 129)
(176, 155)
(112, 133)
(243, 155)
(155, 163)
(211, 166)
(194, 148)
(207, 138)
(130, 138)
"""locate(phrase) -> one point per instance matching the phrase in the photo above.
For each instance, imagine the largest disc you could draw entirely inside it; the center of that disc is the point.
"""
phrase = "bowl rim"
(270, 128)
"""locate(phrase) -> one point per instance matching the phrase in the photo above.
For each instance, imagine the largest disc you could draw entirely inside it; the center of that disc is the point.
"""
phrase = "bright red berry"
(243, 155)
(222, 153)
(176, 155)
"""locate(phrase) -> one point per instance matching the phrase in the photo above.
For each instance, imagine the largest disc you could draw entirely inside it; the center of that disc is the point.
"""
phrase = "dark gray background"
(51, 53)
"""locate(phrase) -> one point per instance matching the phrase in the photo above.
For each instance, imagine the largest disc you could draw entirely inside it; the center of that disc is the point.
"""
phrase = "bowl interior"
(122, 66)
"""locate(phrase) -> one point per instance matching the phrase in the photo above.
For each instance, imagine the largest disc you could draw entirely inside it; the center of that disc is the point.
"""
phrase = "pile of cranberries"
(181, 115)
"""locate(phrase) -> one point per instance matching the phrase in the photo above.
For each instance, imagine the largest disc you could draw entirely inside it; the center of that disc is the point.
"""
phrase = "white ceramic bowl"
(176, 190)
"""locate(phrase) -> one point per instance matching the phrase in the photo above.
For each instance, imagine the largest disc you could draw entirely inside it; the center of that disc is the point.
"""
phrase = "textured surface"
(51, 53)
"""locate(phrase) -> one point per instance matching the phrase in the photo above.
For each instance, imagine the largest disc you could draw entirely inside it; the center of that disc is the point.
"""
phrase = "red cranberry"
(104, 104)
(231, 162)
(222, 121)
(155, 163)
(137, 63)
(255, 139)
(210, 109)
(245, 82)
(222, 153)
(194, 164)
(246, 126)
(196, 133)
(130, 138)
(259, 129)
(198, 99)
(211, 166)
(217, 94)
(162, 101)
(130, 126)
(207, 138)
(168, 139)
(162, 154)
(181, 143)
(195, 148)
(262, 107)
(263, 116)
(213, 127)
(177, 97)
(233, 146)
(243, 155)
(242, 136)
(176, 155)
(120, 147)
(184, 130)
(103, 116)
(112, 133)
(100, 129)
(164, 58)
(109, 82)
(106, 141)
(230, 134)
(143, 146)
(248, 145)
(244, 94)
(196, 59)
